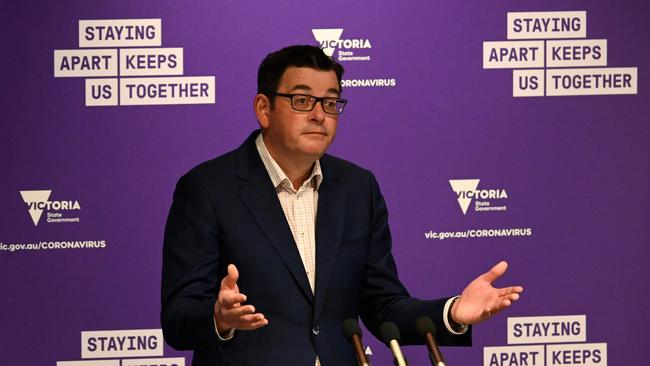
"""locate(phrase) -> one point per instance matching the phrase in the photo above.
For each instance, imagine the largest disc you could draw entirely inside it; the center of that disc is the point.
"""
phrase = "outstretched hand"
(480, 300)
(229, 313)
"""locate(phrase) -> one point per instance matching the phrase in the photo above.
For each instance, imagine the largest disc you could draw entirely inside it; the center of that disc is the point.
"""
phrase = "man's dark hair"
(275, 63)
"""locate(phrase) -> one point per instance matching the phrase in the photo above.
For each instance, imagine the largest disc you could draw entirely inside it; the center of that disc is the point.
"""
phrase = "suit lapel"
(260, 197)
(329, 229)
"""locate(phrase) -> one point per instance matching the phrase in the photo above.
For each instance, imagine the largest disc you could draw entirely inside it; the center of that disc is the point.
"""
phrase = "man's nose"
(317, 114)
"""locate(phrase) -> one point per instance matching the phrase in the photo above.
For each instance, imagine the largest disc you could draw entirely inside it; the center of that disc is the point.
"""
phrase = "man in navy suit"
(268, 248)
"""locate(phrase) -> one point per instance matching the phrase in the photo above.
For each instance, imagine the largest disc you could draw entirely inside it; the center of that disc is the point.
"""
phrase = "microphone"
(425, 327)
(390, 336)
(353, 334)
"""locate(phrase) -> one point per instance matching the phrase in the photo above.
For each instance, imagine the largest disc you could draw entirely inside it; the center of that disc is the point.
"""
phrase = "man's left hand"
(480, 300)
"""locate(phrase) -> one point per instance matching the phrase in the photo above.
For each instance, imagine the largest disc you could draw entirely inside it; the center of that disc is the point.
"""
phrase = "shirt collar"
(275, 172)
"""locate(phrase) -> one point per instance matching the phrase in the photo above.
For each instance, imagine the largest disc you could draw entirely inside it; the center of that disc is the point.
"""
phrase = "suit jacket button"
(315, 330)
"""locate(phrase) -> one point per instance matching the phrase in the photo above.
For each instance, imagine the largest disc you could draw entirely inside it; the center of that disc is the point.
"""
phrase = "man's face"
(300, 135)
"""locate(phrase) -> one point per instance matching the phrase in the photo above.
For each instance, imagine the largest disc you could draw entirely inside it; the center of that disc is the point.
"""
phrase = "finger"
(252, 318)
(240, 312)
(496, 271)
(249, 321)
(510, 290)
(510, 297)
(243, 321)
(231, 300)
(502, 304)
(231, 279)
(255, 325)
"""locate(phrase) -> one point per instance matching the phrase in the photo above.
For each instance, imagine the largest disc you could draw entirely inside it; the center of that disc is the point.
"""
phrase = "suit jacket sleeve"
(190, 267)
(383, 297)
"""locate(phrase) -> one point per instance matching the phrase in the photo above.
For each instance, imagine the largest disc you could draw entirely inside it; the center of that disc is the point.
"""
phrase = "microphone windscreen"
(350, 328)
(424, 325)
(389, 332)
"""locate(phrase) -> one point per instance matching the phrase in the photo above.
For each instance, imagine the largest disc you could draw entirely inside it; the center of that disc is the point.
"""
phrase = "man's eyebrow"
(301, 87)
(334, 91)
(306, 88)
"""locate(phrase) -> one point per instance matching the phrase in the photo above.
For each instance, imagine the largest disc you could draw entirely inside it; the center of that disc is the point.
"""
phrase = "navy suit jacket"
(226, 211)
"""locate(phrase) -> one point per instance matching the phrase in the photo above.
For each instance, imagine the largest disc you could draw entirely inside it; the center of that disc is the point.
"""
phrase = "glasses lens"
(302, 102)
(333, 105)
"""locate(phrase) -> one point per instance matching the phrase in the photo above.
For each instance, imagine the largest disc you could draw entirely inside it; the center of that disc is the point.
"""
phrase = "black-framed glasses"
(306, 103)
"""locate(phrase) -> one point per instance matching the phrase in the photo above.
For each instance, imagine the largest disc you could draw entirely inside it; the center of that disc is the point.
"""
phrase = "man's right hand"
(229, 313)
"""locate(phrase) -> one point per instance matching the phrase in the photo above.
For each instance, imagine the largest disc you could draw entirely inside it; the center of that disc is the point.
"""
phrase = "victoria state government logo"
(484, 199)
(39, 201)
(330, 41)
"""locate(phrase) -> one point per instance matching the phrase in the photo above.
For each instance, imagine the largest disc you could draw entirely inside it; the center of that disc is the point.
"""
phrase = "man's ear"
(262, 107)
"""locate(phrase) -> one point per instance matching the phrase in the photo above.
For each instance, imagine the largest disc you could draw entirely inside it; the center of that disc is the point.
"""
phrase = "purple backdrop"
(575, 169)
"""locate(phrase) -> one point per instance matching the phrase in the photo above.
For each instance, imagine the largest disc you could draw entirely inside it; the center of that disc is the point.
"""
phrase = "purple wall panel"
(575, 168)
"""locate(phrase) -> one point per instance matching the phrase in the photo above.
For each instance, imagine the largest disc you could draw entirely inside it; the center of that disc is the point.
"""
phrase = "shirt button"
(315, 330)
